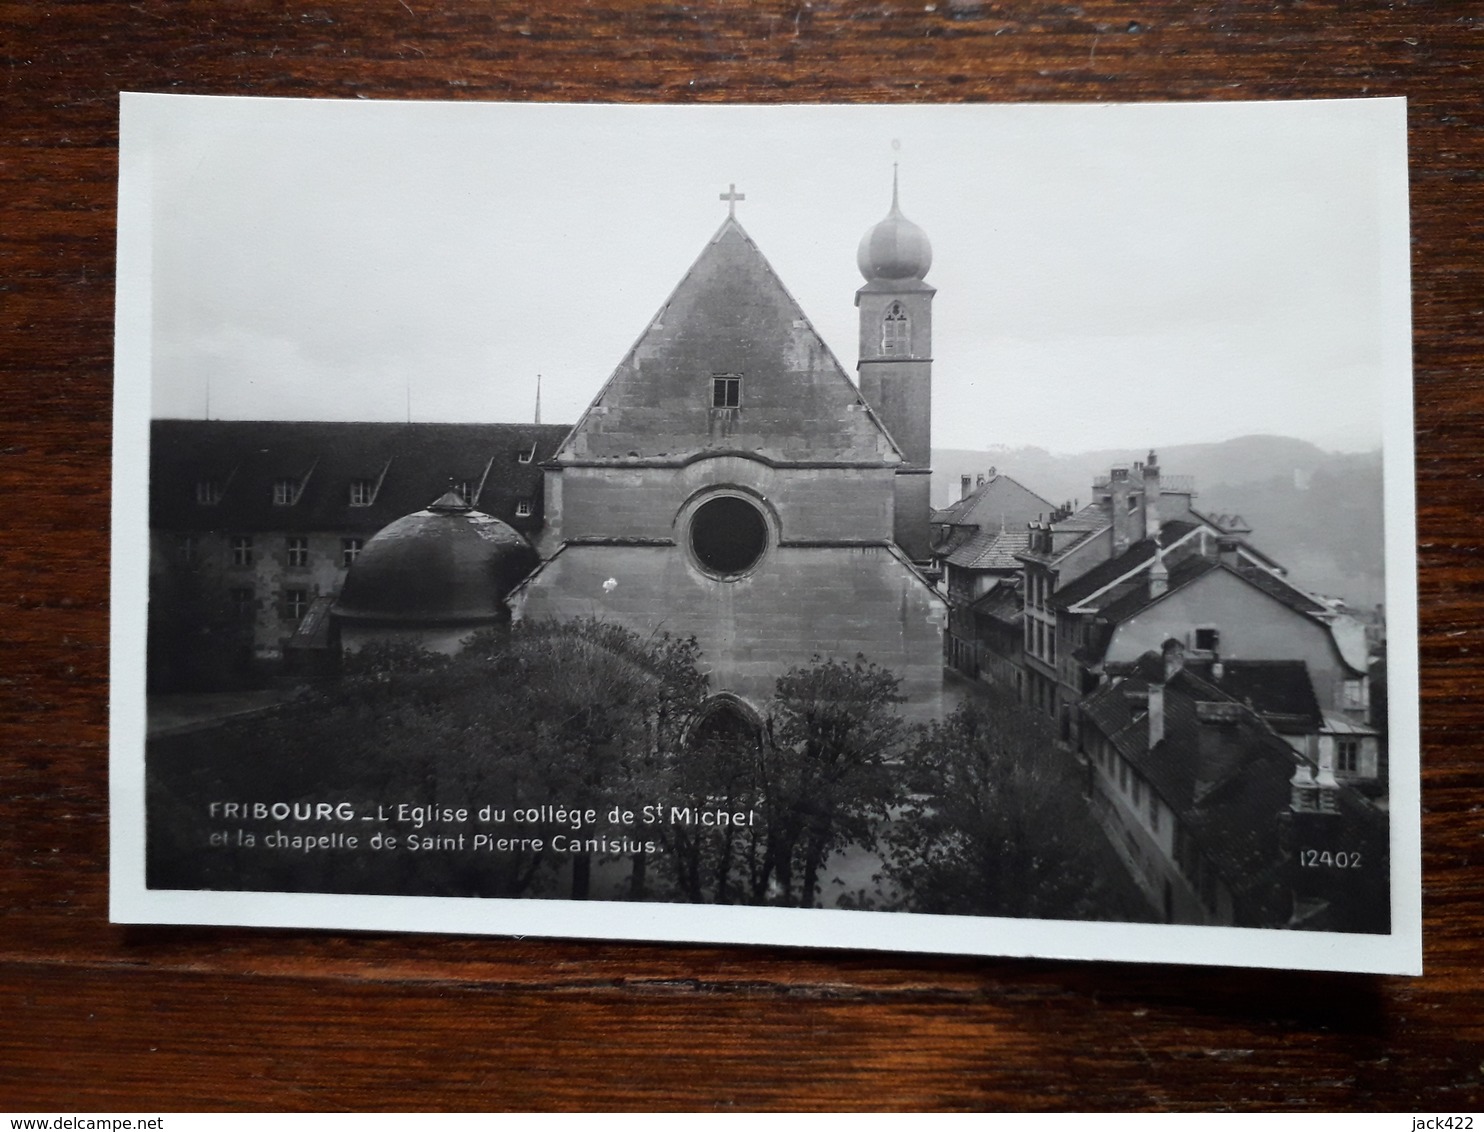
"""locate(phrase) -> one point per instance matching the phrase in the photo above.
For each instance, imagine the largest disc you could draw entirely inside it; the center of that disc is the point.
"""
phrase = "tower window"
(896, 331)
(726, 391)
(728, 535)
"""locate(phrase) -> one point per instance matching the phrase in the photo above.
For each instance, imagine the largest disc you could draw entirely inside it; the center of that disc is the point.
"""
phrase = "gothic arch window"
(896, 330)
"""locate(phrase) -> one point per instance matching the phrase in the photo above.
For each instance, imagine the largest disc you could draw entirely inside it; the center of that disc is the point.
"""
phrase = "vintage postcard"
(976, 529)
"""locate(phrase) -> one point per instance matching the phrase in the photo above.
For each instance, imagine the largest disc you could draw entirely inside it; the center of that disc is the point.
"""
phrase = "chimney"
(979, 480)
(1173, 653)
(1156, 713)
(1151, 497)
(1118, 486)
(1159, 575)
(965, 485)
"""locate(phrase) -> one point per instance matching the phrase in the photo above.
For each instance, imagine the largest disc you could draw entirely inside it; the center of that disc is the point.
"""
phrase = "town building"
(1217, 817)
(255, 524)
(976, 543)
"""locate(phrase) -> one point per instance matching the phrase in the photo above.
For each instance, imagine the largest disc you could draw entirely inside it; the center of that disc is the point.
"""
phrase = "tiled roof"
(1106, 573)
(1279, 690)
(1181, 575)
(1285, 591)
(1000, 500)
(408, 466)
(1228, 783)
(1003, 602)
(991, 550)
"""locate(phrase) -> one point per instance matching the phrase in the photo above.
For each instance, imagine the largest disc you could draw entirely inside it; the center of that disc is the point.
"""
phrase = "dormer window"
(726, 391)
(362, 492)
(527, 456)
(284, 492)
(208, 492)
(523, 509)
(896, 331)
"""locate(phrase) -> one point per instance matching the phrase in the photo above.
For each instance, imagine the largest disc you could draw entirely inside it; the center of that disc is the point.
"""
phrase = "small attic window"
(362, 493)
(896, 330)
(527, 456)
(284, 492)
(726, 391)
(523, 508)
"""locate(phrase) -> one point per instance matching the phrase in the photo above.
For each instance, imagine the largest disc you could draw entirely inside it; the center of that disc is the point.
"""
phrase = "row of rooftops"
(1217, 758)
(340, 475)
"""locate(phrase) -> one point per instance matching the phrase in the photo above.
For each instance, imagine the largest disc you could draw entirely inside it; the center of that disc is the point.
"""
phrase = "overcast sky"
(1107, 275)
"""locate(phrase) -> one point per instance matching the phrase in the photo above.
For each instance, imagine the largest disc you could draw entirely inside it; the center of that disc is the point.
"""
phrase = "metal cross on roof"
(732, 196)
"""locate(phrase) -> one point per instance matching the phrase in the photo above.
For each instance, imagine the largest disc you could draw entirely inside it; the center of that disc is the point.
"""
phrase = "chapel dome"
(448, 564)
(895, 248)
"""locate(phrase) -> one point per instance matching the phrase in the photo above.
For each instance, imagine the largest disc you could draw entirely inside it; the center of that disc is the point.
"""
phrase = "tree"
(824, 774)
(996, 824)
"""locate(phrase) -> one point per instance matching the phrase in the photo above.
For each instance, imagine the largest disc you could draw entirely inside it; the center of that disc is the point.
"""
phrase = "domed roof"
(447, 564)
(895, 248)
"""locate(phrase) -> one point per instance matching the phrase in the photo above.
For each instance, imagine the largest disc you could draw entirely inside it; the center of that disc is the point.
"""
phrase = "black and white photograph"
(971, 529)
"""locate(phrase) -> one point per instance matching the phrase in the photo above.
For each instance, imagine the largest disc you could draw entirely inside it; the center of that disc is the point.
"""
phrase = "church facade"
(730, 482)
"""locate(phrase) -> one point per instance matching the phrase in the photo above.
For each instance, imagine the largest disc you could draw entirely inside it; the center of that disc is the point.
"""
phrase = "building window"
(1123, 776)
(298, 551)
(1138, 791)
(726, 391)
(728, 535)
(896, 331)
(208, 492)
(241, 550)
(523, 509)
(1354, 693)
(362, 492)
(1153, 812)
(283, 492)
(243, 604)
(188, 550)
(295, 603)
(1347, 756)
(349, 549)
(1207, 640)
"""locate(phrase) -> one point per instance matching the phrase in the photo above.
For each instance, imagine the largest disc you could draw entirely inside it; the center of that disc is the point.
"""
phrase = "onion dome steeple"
(895, 248)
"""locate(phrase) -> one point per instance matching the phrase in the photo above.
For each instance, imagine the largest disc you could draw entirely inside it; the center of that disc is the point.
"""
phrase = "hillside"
(1317, 512)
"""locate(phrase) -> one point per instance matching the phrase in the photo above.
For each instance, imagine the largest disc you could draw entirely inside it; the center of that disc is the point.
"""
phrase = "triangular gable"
(730, 316)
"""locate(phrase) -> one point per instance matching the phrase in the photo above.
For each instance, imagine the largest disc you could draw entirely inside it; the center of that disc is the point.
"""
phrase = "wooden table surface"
(100, 1017)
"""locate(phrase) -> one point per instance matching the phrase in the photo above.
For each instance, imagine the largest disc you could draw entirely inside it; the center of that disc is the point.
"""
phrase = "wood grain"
(106, 1017)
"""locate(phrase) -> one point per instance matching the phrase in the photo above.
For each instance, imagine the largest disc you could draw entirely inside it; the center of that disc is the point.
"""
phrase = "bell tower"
(896, 361)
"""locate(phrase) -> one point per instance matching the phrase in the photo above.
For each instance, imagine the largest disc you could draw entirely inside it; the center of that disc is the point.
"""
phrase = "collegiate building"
(730, 482)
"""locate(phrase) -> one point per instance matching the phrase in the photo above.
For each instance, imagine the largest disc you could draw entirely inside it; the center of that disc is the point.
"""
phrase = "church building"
(730, 482)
